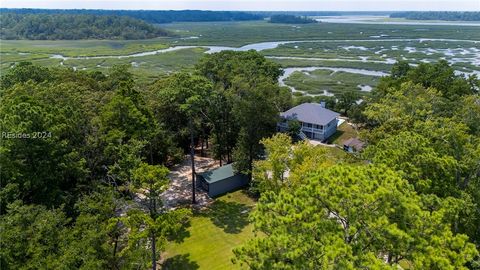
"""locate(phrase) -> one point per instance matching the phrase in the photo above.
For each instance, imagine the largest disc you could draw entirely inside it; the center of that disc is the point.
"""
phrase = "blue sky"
(343, 5)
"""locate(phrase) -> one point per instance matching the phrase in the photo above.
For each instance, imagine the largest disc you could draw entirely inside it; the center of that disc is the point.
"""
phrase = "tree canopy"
(91, 151)
(347, 217)
(75, 26)
(438, 15)
(410, 201)
(292, 19)
(151, 16)
(84, 157)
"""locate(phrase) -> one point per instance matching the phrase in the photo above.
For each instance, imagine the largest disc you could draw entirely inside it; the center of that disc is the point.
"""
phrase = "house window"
(309, 125)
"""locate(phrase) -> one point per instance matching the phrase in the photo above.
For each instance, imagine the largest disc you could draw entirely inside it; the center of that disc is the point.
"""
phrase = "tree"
(400, 108)
(157, 224)
(31, 236)
(257, 118)
(183, 104)
(25, 71)
(285, 18)
(346, 101)
(236, 78)
(400, 69)
(294, 128)
(413, 156)
(77, 141)
(96, 239)
(42, 157)
(422, 123)
(350, 217)
(285, 163)
(75, 26)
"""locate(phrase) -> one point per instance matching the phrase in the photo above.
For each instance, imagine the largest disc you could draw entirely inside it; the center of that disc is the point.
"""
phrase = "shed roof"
(218, 174)
(313, 113)
(354, 142)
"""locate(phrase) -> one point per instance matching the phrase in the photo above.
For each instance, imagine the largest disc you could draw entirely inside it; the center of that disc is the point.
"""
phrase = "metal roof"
(354, 142)
(218, 174)
(313, 113)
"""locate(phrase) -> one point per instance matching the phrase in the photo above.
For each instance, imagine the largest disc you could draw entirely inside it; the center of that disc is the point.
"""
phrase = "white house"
(317, 122)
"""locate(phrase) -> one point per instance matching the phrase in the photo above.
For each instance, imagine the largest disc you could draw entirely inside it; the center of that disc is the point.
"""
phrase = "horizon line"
(112, 9)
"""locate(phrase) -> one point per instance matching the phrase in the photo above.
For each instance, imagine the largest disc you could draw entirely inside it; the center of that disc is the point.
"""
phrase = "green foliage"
(244, 104)
(350, 217)
(178, 99)
(31, 236)
(440, 76)
(294, 128)
(286, 163)
(46, 164)
(346, 101)
(65, 135)
(144, 228)
(421, 123)
(152, 16)
(416, 159)
(95, 239)
(69, 26)
(25, 71)
(257, 119)
(222, 68)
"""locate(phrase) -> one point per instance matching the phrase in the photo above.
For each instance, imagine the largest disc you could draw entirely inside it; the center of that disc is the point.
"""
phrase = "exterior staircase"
(302, 135)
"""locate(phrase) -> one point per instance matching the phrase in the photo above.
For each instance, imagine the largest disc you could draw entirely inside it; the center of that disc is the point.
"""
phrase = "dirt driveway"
(179, 191)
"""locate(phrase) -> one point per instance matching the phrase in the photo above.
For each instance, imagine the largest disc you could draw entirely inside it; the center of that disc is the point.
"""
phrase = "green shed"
(221, 180)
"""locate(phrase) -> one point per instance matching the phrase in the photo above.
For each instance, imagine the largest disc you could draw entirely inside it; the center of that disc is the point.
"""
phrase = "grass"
(336, 63)
(379, 51)
(336, 52)
(74, 48)
(241, 33)
(318, 81)
(144, 67)
(344, 132)
(212, 235)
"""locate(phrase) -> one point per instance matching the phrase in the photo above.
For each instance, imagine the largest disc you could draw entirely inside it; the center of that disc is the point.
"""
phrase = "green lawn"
(212, 235)
(344, 132)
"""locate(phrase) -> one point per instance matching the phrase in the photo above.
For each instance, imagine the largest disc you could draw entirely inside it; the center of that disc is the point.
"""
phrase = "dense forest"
(410, 198)
(78, 148)
(283, 18)
(438, 15)
(71, 27)
(85, 155)
(152, 16)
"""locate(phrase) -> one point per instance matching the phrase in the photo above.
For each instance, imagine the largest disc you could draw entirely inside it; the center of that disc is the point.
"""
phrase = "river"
(274, 44)
(361, 19)
(261, 46)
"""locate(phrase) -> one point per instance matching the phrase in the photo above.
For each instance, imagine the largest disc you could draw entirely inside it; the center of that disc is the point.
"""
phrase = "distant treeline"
(152, 16)
(324, 13)
(284, 18)
(438, 15)
(75, 26)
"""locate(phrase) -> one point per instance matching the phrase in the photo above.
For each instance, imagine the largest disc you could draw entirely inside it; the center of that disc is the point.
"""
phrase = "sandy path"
(179, 191)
